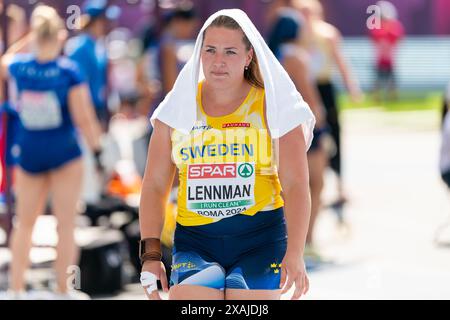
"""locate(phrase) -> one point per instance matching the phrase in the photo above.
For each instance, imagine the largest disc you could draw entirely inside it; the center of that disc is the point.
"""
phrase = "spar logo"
(208, 171)
(221, 170)
(245, 170)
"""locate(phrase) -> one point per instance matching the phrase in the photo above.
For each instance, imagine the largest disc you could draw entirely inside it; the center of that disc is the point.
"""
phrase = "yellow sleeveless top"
(226, 164)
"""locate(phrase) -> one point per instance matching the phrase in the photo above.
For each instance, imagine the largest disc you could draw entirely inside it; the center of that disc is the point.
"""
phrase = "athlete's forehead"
(220, 37)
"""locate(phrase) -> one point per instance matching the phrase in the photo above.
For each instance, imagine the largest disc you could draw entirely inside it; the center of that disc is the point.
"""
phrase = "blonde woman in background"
(52, 99)
(322, 41)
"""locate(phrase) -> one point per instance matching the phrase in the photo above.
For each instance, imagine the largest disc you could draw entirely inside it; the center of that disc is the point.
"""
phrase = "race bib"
(40, 110)
(220, 190)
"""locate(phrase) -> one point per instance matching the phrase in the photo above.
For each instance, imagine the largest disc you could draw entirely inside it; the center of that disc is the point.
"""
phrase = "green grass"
(406, 101)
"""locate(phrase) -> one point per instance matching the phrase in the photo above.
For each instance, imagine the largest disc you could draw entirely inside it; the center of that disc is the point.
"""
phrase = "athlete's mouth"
(219, 73)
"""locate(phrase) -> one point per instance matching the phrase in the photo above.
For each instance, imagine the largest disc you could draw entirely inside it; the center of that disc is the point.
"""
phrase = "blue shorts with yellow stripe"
(241, 252)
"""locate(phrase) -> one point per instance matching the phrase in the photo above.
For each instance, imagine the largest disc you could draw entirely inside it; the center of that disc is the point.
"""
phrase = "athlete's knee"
(65, 228)
(26, 222)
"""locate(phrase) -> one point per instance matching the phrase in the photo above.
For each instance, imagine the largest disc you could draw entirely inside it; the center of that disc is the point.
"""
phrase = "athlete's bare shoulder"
(328, 31)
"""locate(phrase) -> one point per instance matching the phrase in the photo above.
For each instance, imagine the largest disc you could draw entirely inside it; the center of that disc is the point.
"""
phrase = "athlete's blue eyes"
(231, 52)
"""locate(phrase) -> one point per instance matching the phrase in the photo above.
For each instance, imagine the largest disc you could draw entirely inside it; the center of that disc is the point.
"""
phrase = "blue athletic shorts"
(241, 252)
(315, 144)
(43, 152)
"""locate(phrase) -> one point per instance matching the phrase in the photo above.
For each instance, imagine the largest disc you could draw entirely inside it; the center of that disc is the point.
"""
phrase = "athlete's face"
(224, 56)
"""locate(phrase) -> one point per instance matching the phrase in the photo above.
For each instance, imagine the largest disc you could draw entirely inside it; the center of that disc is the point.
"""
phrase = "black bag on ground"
(101, 260)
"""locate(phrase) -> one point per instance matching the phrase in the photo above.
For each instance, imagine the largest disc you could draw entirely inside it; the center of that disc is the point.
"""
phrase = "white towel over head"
(285, 107)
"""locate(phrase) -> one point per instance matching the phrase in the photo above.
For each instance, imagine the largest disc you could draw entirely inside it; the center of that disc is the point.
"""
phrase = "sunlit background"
(389, 240)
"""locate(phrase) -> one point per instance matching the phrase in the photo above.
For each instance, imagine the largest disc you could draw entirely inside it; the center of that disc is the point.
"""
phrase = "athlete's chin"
(219, 82)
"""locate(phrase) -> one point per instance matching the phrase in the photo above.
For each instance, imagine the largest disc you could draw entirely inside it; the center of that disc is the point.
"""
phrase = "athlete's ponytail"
(45, 23)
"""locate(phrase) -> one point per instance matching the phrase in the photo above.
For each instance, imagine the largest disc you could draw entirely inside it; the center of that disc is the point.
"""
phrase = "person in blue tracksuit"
(88, 50)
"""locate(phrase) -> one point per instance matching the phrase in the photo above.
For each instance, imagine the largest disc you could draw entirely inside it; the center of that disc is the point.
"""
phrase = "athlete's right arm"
(157, 182)
(297, 69)
(83, 115)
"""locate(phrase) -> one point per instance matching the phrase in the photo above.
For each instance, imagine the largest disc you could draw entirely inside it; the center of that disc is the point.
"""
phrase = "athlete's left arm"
(350, 82)
(294, 178)
(19, 46)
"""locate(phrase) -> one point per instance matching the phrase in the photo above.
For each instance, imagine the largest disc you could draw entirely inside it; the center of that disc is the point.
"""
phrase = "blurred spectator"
(322, 41)
(386, 40)
(177, 43)
(273, 11)
(165, 56)
(446, 102)
(284, 39)
(52, 97)
(148, 71)
(17, 23)
(90, 53)
(444, 163)
(123, 52)
(16, 29)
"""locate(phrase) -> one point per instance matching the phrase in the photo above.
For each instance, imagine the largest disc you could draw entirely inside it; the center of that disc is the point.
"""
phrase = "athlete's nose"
(218, 61)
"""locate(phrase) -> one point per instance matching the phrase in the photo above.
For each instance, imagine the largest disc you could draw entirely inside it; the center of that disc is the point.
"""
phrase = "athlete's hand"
(356, 96)
(157, 268)
(320, 114)
(293, 270)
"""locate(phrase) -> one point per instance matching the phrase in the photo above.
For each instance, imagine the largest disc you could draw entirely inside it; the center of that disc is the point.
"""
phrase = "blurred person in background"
(89, 51)
(17, 23)
(441, 235)
(177, 42)
(322, 42)
(284, 41)
(17, 27)
(385, 40)
(444, 163)
(52, 99)
(148, 72)
(446, 102)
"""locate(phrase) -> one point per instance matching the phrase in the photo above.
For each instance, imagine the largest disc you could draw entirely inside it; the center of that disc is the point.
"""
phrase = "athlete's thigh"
(317, 162)
(31, 193)
(242, 294)
(65, 185)
(191, 292)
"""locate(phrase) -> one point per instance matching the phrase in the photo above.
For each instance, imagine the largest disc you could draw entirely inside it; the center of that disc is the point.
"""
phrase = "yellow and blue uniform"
(230, 231)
